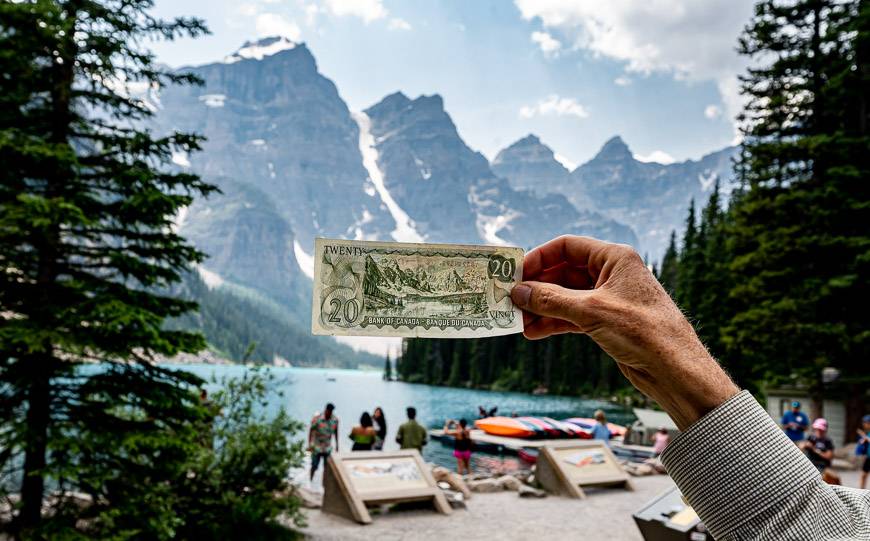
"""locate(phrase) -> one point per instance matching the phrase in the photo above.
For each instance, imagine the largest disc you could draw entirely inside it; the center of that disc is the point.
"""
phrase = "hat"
(820, 424)
(795, 404)
(865, 419)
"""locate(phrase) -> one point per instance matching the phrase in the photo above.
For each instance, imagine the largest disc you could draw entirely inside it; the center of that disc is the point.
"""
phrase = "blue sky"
(660, 73)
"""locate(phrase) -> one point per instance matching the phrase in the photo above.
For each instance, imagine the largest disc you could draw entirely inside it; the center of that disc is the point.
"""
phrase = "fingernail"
(521, 294)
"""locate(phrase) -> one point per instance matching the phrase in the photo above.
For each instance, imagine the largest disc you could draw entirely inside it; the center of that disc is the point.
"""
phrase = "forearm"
(760, 486)
(682, 376)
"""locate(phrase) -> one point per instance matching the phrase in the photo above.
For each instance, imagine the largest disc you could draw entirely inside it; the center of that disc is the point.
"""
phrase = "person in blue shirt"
(863, 449)
(599, 429)
(795, 422)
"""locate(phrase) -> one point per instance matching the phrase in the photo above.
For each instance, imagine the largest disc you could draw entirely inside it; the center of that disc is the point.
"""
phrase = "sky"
(660, 73)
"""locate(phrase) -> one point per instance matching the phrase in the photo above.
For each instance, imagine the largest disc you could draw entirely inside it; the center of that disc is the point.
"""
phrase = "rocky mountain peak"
(261, 48)
(614, 149)
(529, 149)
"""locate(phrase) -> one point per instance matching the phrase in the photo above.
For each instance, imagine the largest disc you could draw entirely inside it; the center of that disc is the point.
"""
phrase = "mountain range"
(293, 162)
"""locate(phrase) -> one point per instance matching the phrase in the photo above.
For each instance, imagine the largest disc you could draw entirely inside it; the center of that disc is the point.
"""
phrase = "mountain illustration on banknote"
(417, 284)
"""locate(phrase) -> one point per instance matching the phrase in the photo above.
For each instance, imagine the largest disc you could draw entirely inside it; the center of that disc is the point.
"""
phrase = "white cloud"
(712, 111)
(549, 45)
(694, 41)
(657, 156)
(622, 80)
(273, 24)
(553, 105)
(367, 10)
(398, 24)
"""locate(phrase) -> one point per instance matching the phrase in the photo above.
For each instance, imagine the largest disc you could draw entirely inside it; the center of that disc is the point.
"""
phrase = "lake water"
(307, 390)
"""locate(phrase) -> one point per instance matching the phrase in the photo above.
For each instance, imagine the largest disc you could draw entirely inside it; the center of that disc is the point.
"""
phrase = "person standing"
(660, 440)
(380, 428)
(411, 435)
(819, 448)
(864, 440)
(461, 443)
(324, 427)
(363, 434)
(599, 429)
(795, 422)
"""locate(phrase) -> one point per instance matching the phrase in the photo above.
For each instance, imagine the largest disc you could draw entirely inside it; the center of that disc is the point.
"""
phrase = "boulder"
(455, 499)
(454, 481)
(525, 491)
(509, 482)
(485, 485)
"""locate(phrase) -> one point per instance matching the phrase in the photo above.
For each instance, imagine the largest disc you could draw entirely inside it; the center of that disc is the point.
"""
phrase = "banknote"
(364, 288)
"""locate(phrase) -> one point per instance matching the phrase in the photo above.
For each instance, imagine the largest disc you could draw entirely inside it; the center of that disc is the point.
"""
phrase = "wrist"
(688, 390)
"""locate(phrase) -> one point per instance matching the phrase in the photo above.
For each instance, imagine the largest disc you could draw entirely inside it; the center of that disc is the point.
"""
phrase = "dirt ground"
(604, 515)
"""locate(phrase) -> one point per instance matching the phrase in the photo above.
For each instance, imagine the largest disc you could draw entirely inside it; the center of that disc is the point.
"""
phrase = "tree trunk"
(36, 442)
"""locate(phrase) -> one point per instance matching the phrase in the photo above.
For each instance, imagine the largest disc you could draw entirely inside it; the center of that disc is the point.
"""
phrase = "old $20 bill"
(366, 288)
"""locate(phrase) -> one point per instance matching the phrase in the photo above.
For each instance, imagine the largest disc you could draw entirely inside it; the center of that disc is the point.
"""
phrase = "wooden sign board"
(357, 479)
(564, 468)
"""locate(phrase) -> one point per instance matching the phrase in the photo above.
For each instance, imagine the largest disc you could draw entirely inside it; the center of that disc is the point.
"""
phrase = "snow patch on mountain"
(212, 279)
(707, 180)
(566, 163)
(180, 217)
(179, 157)
(260, 49)
(305, 261)
(405, 230)
(213, 100)
(489, 227)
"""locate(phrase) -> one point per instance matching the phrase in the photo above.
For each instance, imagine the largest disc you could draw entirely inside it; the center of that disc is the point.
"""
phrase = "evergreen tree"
(388, 368)
(87, 201)
(667, 274)
(799, 236)
(690, 264)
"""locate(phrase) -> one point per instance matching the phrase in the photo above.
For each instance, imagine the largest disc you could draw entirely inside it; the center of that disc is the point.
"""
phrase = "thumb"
(548, 300)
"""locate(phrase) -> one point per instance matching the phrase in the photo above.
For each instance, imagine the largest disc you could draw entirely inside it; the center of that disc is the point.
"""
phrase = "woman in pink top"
(660, 440)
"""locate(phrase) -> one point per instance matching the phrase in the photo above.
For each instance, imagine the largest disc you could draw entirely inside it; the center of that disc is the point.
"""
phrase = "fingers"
(549, 300)
(543, 327)
(576, 251)
(567, 276)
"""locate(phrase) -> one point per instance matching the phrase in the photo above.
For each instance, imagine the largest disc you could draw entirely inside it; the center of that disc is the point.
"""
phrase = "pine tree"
(799, 236)
(388, 368)
(667, 274)
(690, 263)
(87, 201)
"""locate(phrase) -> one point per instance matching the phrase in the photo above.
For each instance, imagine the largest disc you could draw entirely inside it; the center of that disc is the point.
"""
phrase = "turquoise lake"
(306, 390)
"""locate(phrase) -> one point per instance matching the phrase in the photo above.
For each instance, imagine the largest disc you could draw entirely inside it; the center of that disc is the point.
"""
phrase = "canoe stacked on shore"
(616, 431)
(542, 427)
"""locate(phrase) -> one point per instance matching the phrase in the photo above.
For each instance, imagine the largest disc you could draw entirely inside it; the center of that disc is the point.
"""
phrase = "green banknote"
(366, 288)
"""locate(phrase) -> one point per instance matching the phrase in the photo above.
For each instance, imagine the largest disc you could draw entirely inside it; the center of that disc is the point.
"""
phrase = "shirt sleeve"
(747, 480)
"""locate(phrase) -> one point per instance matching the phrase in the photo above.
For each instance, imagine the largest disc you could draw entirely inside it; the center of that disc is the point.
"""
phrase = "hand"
(582, 285)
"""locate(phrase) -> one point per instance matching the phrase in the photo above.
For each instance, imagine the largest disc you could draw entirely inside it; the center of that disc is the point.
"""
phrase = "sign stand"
(357, 479)
(564, 468)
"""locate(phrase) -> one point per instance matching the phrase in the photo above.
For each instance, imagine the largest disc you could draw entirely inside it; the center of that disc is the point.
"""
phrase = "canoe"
(549, 430)
(529, 455)
(507, 426)
(569, 430)
(587, 423)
